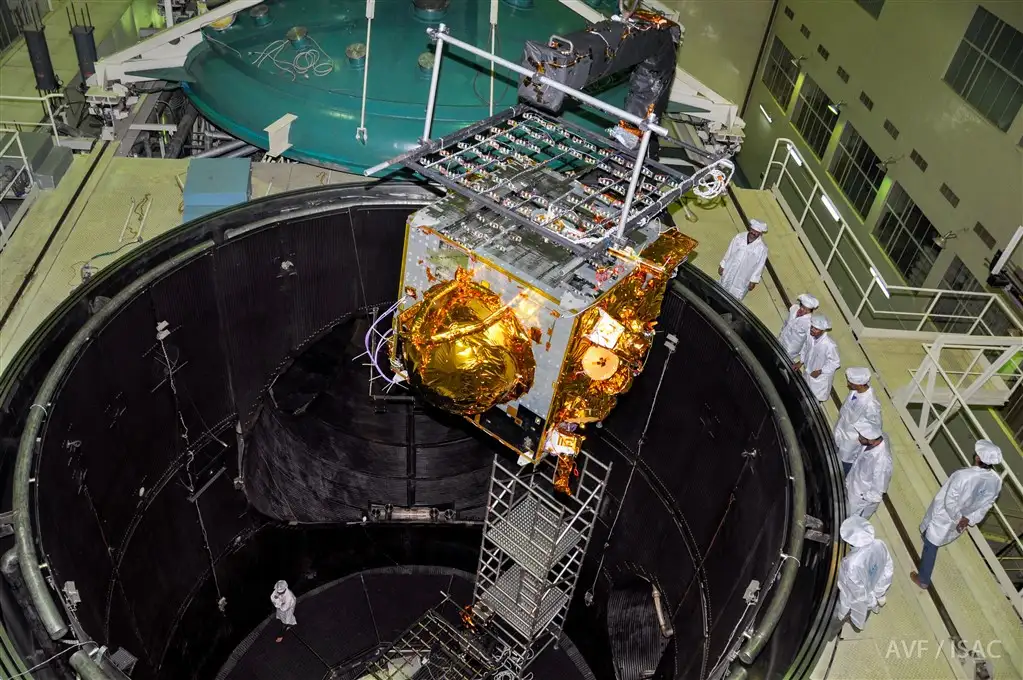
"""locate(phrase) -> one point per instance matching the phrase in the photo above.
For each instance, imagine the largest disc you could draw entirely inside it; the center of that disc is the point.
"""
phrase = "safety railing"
(11, 149)
(936, 406)
(53, 105)
(872, 306)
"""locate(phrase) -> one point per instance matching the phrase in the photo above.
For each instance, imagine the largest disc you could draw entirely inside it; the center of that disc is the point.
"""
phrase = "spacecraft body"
(525, 306)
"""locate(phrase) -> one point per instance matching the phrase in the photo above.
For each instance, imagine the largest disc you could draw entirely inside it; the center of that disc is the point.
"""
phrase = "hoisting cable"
(360, 133)
(493, 49)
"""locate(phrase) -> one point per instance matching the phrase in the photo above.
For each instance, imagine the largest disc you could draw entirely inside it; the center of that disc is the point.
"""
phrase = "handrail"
(15, 138)
(853, 308)
(45, 100)
(959, 405)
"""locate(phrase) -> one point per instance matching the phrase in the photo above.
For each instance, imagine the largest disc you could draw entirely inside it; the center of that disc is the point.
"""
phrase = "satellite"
(530, 293)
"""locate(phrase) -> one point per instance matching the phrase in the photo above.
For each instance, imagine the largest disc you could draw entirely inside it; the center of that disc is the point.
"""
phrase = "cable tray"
(549, 175)
(530, 534)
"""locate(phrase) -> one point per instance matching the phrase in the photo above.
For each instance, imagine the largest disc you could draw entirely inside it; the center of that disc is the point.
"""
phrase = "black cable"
(507, 86)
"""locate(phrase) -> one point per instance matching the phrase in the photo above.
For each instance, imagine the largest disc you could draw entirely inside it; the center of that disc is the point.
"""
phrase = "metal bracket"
(752, 594)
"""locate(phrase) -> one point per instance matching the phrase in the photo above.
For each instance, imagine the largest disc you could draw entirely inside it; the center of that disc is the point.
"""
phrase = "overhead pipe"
(244, 151)
(221, 150)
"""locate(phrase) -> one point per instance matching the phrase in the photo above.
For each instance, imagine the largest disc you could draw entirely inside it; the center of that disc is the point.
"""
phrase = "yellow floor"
(117, 23)
(972, 597)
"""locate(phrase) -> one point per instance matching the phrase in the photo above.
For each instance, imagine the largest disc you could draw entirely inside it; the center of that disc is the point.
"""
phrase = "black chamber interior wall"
(139, 425)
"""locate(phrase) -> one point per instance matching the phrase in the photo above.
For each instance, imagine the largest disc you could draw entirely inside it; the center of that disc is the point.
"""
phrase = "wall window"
(872, 6)
(958, 277)
(906, 234)
(780, 74)
(815, 116)
(987, 69)
(857, 170)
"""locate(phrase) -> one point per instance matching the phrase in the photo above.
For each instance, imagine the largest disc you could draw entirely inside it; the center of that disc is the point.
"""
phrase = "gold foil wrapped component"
(563, 473)
(670, 250)
(464, 349)
(620, 325)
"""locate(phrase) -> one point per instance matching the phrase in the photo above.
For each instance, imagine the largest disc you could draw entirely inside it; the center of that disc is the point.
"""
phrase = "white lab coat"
(968, 493)
(858, 409)
(285, 604)
(868, 479)
(795, 332)
(820, 353)
(863, 579)
(743, 264)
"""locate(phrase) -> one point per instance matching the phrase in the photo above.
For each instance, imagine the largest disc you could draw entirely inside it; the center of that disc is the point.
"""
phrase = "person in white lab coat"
(868, 480)
(962, 501)
(797, 325)
(864, 575)
(819, 358)
(861, 406)
(744, 261)
(284, 602)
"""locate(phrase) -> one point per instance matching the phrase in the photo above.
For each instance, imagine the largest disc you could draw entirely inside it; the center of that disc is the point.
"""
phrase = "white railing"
(53, 105)
(872, 306)
(23, 169)
(944, 400)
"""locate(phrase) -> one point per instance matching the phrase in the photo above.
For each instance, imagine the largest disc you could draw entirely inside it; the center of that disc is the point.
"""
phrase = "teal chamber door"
(303, 57)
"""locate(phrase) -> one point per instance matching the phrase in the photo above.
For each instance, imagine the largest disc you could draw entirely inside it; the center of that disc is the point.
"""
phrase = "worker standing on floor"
(744, 261)
(797, 326)
(284, 601)
(962, 501)
(864, 575)
(861, 406)
(867, 481)
(819, 358)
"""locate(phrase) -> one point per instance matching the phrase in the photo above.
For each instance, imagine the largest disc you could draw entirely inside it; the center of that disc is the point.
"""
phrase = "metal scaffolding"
(534, 542)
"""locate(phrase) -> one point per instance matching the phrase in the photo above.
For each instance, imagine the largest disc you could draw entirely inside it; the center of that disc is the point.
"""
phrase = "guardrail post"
(930, 308)
(980, 316)
(870, 288)
(834, 249)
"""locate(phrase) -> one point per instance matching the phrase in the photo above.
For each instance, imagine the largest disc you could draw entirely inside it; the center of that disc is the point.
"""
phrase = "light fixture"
(797, 61)
(942, 241)
(836, 108)
(891, 160)
(880, 282)
(766, 114)
(795, 156)
(831, 207)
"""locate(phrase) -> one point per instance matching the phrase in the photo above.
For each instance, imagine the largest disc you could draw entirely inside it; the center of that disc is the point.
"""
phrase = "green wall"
(899, 60)
(722, 42)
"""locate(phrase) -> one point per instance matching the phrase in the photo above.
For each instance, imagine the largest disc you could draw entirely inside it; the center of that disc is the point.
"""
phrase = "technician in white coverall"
(961, 502)
(819, 358)
(797, 326)
(864, 574)
(868, 480)
(861, 406)
(744, 261)
(284, 602)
